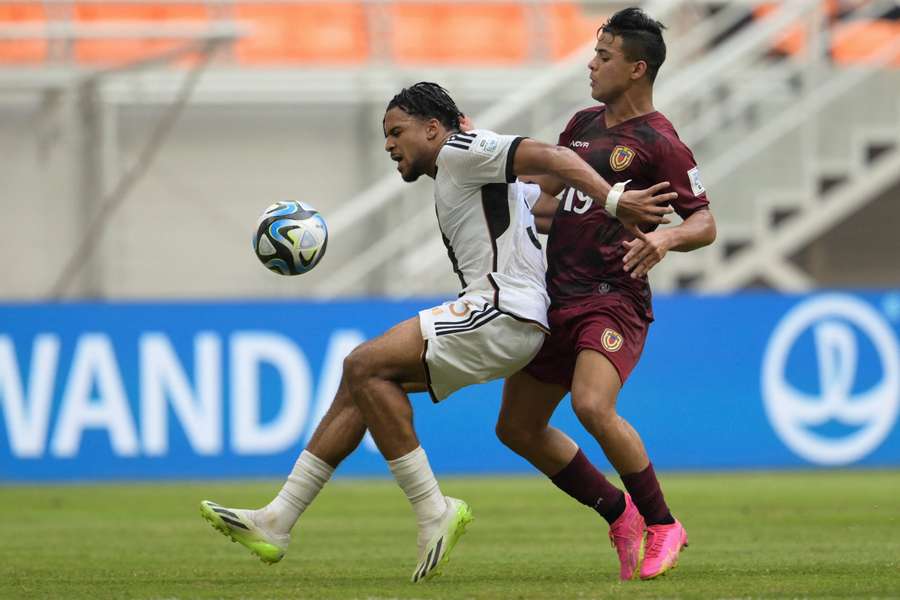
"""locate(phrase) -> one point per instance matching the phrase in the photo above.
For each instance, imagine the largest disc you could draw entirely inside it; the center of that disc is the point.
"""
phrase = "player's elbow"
(702, 227)
(562, 156)
(708, 233)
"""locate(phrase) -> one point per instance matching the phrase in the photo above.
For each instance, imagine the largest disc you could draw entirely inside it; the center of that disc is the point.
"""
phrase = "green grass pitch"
(810, 534)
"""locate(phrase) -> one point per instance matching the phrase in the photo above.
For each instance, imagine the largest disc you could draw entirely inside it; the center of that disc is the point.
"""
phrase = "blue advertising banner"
(190, 390)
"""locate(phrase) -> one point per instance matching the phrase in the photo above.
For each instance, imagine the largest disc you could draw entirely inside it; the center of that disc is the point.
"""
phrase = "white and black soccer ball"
(290, 238)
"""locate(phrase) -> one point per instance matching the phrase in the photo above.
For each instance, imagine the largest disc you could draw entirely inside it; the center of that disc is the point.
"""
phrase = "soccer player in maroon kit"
(600, 299)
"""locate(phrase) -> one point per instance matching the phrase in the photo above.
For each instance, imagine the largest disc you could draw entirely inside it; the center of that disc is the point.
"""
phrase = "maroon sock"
(581, 480)
(648, 497)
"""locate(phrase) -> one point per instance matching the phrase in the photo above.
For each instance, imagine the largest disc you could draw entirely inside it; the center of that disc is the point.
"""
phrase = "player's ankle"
(269, 519)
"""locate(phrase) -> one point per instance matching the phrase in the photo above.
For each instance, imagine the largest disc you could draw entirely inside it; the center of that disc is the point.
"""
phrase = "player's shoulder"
(475, 139)
(477, 142)
(461, 140)
(584, 117)
(669, 140)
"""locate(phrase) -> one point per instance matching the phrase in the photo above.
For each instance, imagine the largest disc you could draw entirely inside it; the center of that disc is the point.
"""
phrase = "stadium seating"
(322, 33)
(444, 33)
(22, 51)
(861, 41)
(303, 33)
(568, 28)
(794, 39)
(114, 50)
(852, 42)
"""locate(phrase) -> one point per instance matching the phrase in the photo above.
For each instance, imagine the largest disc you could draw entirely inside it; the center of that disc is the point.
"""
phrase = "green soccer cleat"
(237, 524)
(437, 552)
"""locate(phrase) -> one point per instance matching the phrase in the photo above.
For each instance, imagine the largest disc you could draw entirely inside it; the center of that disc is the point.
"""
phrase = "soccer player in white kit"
(492, 330)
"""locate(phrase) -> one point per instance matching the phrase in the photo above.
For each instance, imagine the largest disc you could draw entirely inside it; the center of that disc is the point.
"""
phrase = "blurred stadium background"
(140, 338)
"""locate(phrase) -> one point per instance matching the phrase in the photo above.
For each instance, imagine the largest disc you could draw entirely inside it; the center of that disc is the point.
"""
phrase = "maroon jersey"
(586, 248)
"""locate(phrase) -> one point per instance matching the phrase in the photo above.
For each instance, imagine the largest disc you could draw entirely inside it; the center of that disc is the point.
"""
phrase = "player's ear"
(638, 69)
(432, 129)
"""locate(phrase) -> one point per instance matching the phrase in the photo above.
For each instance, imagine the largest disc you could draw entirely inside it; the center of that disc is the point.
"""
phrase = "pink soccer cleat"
(664, 543)
(626, 534)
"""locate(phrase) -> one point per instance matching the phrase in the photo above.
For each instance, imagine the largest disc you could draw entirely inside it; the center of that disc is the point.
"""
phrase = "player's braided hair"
(428, 100)
(641, 38)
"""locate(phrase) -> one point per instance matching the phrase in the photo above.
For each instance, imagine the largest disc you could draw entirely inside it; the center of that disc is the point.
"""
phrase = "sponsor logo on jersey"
(696, 184)
(620, 158)
(611, 340)
(579, 144)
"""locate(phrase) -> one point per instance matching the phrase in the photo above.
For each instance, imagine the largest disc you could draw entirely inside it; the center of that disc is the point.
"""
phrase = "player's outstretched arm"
(646, 251)
(634, 207)
(549, 184)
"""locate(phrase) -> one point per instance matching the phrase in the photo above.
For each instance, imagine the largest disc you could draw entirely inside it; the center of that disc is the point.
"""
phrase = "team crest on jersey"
(611, 340)
(620, 158)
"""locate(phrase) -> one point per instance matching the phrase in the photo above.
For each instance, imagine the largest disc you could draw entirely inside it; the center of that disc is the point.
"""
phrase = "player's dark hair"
(428, 100)
(641, 38)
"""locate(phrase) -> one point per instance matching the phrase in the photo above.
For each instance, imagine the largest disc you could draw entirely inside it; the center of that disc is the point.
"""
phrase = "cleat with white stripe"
(238, 524)
(437, 552)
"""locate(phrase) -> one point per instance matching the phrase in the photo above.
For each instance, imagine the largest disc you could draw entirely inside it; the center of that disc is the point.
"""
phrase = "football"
(290, 238)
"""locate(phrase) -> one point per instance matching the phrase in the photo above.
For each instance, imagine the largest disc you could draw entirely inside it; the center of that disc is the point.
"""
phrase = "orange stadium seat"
(569, 28)
(793, 40)
(311, 33)
(861, 41)
(22, 51)
(458, 33)
(115, 50)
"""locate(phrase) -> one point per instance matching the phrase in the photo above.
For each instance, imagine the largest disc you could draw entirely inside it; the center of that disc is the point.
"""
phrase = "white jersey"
(486, 222)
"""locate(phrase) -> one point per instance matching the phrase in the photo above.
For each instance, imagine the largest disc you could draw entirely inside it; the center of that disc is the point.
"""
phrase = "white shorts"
(469, 341)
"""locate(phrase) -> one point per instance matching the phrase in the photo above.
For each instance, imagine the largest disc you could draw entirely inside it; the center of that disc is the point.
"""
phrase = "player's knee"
(591, 409)
(357, 366)
(514, 436)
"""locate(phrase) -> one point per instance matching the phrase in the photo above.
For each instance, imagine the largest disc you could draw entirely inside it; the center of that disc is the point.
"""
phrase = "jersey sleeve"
(479, 157)
(676, 165)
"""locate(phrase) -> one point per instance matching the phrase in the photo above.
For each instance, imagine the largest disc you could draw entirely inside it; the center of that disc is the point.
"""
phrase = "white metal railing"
(390, 186)
(770, 245)
(822, 86)
(693, 80)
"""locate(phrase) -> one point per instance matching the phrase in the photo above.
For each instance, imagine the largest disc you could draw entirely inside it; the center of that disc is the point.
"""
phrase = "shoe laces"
(655, 541)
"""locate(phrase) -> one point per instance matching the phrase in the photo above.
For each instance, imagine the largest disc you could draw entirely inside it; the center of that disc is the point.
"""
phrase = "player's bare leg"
(524, 423)
(341, 429)
(595, 390)
(379, 374)
(376, 372)
(266, 532)
(524, 427)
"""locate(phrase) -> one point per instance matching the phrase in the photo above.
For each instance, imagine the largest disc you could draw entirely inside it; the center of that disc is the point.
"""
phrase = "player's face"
(408, 140)
(611, 72)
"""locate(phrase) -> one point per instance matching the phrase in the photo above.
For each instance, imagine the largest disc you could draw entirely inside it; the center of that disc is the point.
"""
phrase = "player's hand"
(645, 207)
(644, 252)
(465, 123)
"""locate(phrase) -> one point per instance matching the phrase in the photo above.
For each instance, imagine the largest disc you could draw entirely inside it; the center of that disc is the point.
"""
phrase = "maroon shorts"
(609, 325)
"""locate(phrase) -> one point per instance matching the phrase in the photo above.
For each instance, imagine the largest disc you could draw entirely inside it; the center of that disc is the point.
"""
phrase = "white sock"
(414, 476)
(309, 476)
